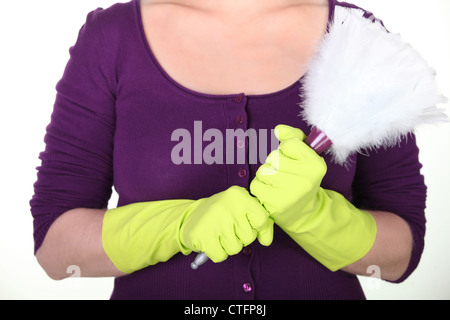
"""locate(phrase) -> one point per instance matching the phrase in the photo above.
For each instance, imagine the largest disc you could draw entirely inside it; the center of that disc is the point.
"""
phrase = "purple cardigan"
(113, 122)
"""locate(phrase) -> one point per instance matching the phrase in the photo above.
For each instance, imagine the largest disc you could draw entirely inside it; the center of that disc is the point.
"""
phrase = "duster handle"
(318, 141)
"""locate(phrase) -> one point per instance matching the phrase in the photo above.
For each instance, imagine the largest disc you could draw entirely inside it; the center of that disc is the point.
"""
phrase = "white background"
(35, 38)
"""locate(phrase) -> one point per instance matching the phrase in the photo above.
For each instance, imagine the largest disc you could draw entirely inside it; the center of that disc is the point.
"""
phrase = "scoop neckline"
(198, 94)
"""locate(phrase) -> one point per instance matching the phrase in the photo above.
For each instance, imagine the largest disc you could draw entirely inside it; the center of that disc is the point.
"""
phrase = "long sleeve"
(76, 165)
(390, 180)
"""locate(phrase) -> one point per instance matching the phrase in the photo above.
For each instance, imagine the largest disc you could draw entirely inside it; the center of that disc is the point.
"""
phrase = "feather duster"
(366, 88)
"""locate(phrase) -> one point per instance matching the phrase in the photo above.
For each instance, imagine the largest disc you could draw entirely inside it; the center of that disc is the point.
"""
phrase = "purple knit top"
(118, 121)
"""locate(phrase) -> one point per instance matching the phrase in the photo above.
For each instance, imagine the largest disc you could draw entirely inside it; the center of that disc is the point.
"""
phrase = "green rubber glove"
(142, 234)
(322, 222)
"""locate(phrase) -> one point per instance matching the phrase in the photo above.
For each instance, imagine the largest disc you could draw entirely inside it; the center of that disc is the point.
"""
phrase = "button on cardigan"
(113, 125)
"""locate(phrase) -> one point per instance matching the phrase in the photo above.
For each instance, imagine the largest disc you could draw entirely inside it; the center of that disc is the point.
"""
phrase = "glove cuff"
(142, 234)
(337, 234)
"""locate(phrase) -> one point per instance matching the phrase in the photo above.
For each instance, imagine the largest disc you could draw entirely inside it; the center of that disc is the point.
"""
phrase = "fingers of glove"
(265, 235)
(256, 217)
(305, 157)
(240, 204)
(295, 148)
(215, 251)
(245, 232)
(280, 178)
(195, 246)
(267, 169)
(263, 192)
(292, 147)
(246, 209)
(273, 158)
(278, 161)
(284, 132)
(230, 243)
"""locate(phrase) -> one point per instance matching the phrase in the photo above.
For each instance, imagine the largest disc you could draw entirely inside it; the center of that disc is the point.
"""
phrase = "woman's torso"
(185, 99)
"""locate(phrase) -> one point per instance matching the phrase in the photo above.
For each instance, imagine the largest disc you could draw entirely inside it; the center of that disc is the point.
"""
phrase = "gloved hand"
(142, 234)
(321, 221)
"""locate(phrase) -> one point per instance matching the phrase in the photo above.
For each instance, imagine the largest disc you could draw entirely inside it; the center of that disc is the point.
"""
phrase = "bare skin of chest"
(216, 52)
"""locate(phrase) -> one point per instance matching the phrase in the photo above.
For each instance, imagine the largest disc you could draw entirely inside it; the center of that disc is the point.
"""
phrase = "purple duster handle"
(318, 141)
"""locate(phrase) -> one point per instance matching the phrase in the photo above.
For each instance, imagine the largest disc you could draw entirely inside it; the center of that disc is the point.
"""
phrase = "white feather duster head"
(367, 88)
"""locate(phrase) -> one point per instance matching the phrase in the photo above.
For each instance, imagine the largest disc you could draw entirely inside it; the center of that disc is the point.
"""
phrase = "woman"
(154, 101)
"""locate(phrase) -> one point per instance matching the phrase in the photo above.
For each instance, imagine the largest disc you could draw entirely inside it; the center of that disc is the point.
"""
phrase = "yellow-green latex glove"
(322, 222)
(142, 234)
